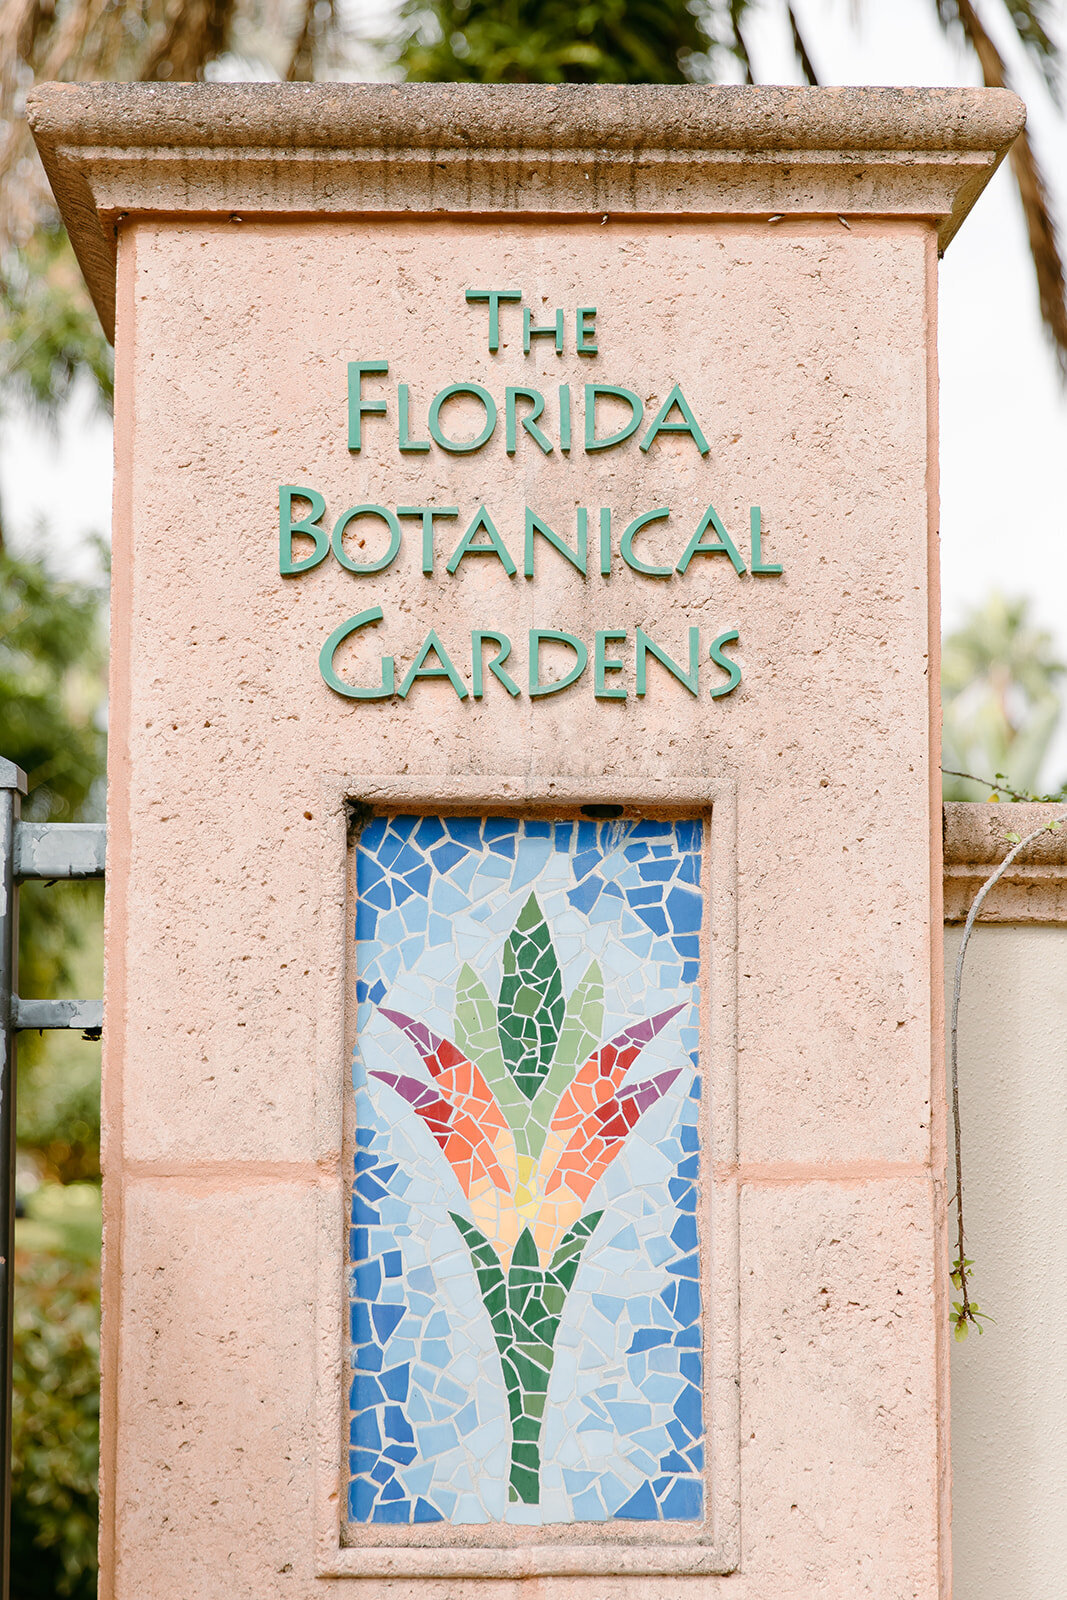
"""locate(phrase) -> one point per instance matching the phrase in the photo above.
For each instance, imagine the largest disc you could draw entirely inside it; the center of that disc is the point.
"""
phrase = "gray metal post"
(12, 788)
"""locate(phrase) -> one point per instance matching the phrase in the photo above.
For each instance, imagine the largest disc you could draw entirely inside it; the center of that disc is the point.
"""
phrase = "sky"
(1003, 411)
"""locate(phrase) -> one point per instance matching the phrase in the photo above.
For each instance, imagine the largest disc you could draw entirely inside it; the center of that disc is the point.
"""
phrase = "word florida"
(617, 664)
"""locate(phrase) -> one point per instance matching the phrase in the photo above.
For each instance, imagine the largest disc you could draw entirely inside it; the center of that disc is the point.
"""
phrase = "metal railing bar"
(85, 1015)
(47, 850)
(54, 850)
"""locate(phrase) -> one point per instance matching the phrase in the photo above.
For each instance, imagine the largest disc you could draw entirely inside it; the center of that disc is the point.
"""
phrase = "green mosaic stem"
(525, 1309)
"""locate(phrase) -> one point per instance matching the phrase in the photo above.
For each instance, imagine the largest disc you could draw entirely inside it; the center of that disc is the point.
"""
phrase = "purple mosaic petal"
(646, 1094)
(640, 1034)
(416, 1093)
(425, 1042)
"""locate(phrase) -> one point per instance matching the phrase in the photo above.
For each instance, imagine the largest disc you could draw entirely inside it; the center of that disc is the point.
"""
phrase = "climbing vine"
(965, 1313)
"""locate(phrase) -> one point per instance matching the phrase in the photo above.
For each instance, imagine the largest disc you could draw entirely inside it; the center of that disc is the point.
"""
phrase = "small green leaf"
(531, 1007)
(581, 1034)
(1013, 838)
(476, 1035)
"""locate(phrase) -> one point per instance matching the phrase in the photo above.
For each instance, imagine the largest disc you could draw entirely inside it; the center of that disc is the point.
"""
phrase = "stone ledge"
(112, 150)
(1035, 887)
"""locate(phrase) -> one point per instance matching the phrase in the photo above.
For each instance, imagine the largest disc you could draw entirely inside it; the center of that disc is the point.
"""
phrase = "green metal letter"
(494, 297)
(483, 523)
(537, 635)
(576, 557)
(287, 527)
(627, 545)
(731, 668)
(337, 537)
(333, 644)
(647, 647)
(480, 637)
(603, 664)
(357, 406)
(759, 566)
(462, 449)
(724, 547)
(551, 330)
(419, 669)
(605, 541)
(427, 513)
(407, 444)
(511, 394)
(586, 325)
(637, 410)
(688, 423)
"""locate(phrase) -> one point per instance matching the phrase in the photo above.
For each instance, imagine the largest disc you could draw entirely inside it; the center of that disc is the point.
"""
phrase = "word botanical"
(482, 538)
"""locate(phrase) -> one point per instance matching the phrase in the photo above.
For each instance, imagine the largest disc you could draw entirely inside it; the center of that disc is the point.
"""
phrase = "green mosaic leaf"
(524, 1486)
(525, 1332)
(531, 1007)
(525, 1254)
(580, 1035)
(476, 1035)
(564, 1264)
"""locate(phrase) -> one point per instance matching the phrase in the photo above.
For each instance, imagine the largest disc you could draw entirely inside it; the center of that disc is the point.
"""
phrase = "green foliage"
(1000, 683)
(59, 1109)
(525, 1307)
(51, 688)
(48, 328)
(965, 1313)
(531, 1005)
(550, 41)
(56, 1428)
(477, 1036)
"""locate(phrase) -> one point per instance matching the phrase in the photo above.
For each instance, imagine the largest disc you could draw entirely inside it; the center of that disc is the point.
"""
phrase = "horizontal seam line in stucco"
(232, 1172)
(770, 1173)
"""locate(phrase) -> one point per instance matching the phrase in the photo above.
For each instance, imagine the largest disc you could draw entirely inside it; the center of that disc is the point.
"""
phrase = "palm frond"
(1029, 18)
(800, 50)
(316, 25)
(739, 44)
(1033, 191)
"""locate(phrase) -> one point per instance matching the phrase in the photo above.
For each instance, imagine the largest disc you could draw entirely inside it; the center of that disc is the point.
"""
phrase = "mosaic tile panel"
(525, 1296)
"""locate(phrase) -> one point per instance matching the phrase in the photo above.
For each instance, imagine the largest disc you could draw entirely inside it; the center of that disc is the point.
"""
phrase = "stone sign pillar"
(524, 1130)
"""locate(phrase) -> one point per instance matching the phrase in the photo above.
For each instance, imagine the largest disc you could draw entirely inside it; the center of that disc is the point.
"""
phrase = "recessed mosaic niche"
(525, 1289)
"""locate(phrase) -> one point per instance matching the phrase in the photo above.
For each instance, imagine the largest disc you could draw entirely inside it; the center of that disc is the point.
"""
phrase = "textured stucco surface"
(112, 150)
(803, 348)
(977, 838)
(1009, 1387)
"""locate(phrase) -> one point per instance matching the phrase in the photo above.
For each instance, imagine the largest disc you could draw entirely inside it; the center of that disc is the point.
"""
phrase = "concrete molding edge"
(1034, 889)
(115, 150)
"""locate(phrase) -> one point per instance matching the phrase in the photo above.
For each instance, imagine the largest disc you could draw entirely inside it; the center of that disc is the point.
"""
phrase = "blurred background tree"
(1001, 697)
(1002, 683)
(672, 41)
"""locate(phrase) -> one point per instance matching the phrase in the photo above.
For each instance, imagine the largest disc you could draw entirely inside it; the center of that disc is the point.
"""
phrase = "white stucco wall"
(1009, 1387)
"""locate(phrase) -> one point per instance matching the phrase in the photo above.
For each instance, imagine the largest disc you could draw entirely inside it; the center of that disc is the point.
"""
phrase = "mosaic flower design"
(530, 1111)
(439, 903)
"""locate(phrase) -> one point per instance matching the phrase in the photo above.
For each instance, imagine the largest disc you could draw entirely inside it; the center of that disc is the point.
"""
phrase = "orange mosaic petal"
(595, 1081)
(474, 1115)
(600, 1136)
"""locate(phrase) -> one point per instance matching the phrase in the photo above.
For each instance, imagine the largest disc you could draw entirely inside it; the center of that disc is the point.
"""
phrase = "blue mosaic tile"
(504, 967)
